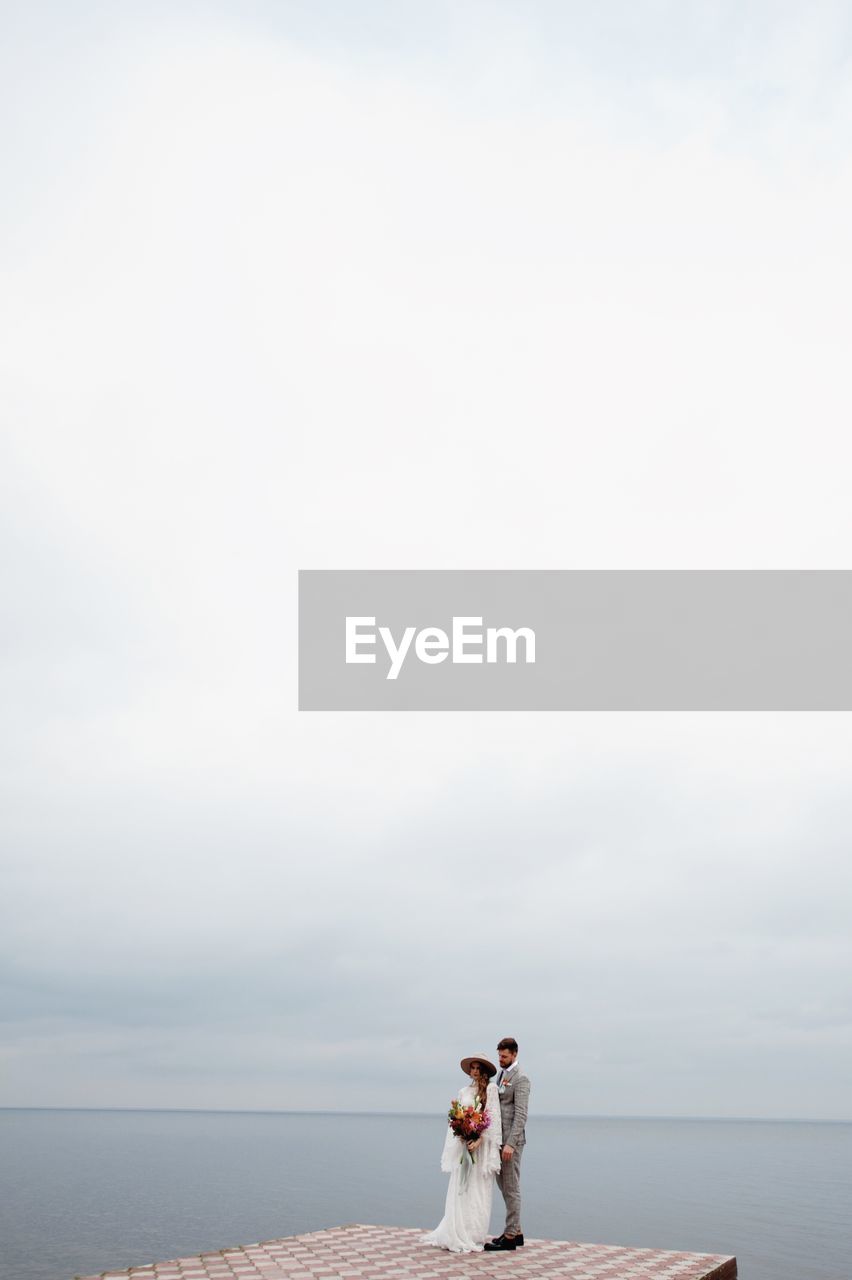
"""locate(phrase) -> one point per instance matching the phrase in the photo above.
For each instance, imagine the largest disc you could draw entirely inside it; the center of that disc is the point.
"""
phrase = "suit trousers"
(509, 1182)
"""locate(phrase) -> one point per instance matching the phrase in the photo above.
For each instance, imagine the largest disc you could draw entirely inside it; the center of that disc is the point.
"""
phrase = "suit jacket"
(514, 1101)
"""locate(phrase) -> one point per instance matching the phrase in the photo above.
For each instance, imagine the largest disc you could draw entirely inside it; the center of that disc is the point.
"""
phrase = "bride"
(467, 1212)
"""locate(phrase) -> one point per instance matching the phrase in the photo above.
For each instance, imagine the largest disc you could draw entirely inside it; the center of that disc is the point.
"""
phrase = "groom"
(514, 1090)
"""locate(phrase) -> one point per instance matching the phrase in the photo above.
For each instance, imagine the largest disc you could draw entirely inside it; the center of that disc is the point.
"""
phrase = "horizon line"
(551, 1115)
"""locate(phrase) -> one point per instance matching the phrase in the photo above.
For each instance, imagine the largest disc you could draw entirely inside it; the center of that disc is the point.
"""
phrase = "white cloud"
(276, 305)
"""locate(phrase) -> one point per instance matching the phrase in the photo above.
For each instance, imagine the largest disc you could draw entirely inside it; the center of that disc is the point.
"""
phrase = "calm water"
(86, 1191)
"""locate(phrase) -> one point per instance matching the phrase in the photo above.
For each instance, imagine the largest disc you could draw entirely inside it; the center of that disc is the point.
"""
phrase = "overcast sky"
(398, 285)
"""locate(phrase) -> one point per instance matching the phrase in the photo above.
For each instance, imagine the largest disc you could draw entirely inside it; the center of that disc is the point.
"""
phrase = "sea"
(84, 1191)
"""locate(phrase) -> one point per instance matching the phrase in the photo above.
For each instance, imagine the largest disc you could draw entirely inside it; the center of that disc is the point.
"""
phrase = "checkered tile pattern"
(393, 1253)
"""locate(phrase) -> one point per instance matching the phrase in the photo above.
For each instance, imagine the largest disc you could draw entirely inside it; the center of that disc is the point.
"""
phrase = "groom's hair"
(508, 1043)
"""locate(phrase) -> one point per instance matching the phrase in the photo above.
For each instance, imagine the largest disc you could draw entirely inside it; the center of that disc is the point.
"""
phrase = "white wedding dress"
(467, 1212)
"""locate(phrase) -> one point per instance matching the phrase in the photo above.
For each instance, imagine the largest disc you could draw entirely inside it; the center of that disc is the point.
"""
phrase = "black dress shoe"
(501, 1243)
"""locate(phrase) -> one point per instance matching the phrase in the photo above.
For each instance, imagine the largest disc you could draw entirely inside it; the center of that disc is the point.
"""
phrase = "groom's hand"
(508, 1152)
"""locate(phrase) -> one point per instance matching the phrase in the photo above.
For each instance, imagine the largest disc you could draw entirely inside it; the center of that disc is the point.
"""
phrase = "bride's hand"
(471, 1146)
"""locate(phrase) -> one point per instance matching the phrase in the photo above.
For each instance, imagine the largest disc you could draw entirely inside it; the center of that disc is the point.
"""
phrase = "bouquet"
(468, 1123)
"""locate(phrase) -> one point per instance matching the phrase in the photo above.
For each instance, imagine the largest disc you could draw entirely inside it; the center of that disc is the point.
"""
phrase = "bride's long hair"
(481, 1083)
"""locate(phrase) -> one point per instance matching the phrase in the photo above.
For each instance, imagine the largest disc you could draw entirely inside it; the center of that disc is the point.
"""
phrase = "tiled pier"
(393, 1253)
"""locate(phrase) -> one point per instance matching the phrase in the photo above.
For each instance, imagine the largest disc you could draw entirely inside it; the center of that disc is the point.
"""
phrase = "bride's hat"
(483, 1062)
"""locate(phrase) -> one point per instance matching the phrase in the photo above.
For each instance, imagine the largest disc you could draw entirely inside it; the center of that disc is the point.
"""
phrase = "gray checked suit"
(514, 1101)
